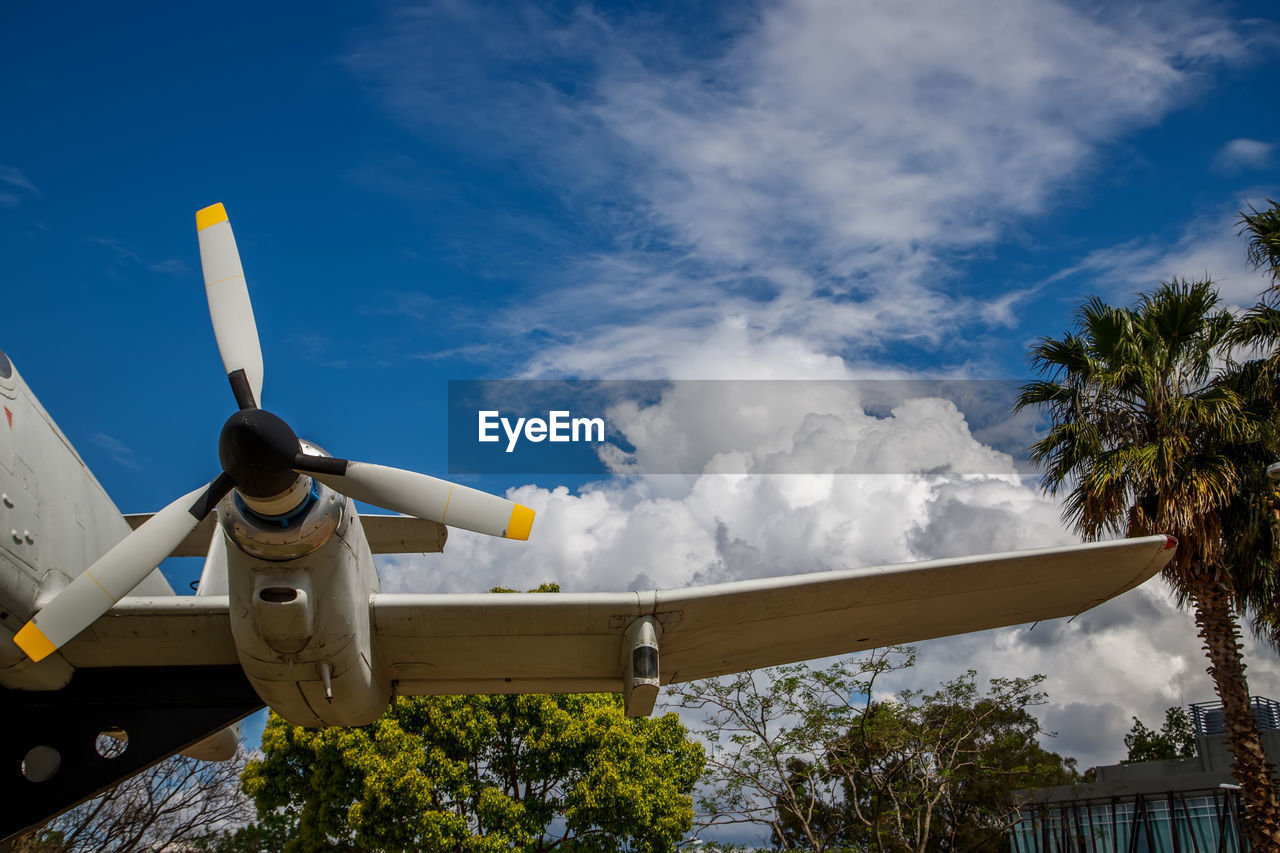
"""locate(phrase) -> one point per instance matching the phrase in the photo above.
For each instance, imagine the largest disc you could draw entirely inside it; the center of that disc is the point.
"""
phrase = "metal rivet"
(26, 534)
(8, 501)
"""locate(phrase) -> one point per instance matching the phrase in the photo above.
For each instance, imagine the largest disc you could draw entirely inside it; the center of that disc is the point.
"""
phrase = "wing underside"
(573, 642)
(535, 642)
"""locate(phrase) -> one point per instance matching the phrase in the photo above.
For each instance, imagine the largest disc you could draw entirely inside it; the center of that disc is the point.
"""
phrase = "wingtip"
(211, 215)
(33, 642)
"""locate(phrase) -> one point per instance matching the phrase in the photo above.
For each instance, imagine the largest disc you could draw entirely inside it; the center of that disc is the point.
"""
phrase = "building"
(1186, 805)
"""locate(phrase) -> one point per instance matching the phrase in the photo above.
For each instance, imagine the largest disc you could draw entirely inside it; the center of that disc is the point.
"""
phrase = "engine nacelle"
(284, 610)
(303, 527)
(299, 598)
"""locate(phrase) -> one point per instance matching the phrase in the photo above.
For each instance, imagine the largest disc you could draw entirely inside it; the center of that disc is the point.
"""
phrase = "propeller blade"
(416, 494)
(117, 572)
(229, 306)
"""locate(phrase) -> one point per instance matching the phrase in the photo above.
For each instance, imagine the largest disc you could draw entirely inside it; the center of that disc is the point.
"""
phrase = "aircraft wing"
(386, 534)
(196, 543)
(538, 642)
(161, 630)
(573, 642)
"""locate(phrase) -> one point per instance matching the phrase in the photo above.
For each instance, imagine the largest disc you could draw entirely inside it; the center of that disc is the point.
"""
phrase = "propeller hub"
(257, 450)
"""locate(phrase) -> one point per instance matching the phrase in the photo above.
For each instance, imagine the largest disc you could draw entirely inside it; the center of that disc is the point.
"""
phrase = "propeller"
(261, 458)
(229, 305)
(117, 572)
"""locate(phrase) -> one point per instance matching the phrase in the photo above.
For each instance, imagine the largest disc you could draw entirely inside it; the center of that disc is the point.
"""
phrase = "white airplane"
(288, 611)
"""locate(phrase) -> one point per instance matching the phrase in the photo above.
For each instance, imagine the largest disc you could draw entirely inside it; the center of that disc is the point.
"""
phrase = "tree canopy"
(1175, 739)
(824, 759)
(480, 773)
(476, 773)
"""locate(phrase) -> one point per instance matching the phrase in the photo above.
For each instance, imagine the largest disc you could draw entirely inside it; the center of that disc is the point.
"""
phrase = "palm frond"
(1262, 227)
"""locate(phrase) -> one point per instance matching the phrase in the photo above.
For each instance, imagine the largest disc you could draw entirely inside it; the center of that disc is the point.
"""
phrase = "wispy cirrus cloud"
(18, 185)
(814, 170)
(785, 192)
(1206, 247)
(120, 452)
(123, 254)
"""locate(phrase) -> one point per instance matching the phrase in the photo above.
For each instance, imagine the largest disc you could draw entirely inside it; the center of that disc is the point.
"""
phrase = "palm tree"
(1263, 228)
(1257, 332)
(1258, 329)
(1144, 441)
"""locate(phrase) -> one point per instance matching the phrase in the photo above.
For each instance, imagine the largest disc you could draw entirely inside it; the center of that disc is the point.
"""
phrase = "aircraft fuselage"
(55, 519)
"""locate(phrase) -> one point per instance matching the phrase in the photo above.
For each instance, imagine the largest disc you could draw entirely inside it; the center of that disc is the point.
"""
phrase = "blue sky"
(797, 189)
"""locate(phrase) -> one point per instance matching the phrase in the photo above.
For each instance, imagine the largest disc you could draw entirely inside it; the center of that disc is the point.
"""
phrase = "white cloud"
(782, 200)
(123, 255)
(810, 174)
(806, 427)
(116, 449)
(16, 178)
(170, 266)
(754, 500)
(1208, 246)
(1240, 154)
(1135, 655)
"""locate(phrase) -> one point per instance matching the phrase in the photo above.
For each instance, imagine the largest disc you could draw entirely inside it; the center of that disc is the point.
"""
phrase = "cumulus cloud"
(1133, 656)
(785, 197)
(805, 478)
(810, 427)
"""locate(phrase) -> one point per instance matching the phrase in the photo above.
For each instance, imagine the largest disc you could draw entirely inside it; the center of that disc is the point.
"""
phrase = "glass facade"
(1176, 822)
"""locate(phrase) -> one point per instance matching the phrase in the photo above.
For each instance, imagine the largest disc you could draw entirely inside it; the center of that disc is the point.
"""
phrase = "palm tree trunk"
(1249, 767)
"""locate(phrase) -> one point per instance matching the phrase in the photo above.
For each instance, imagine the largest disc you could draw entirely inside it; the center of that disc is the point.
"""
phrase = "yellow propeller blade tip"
(33, 641)
(211, 215)
(521, 523)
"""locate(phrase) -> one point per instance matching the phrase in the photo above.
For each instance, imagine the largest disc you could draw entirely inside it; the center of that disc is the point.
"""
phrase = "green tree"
(480, 773)
(1175, 739)
(772, 735)
(1254, 550)
(823, 761)
(1003, 755)
(1145, 440)
(476, 773)
(938, 771)
(1262, 227)
(269, 834)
